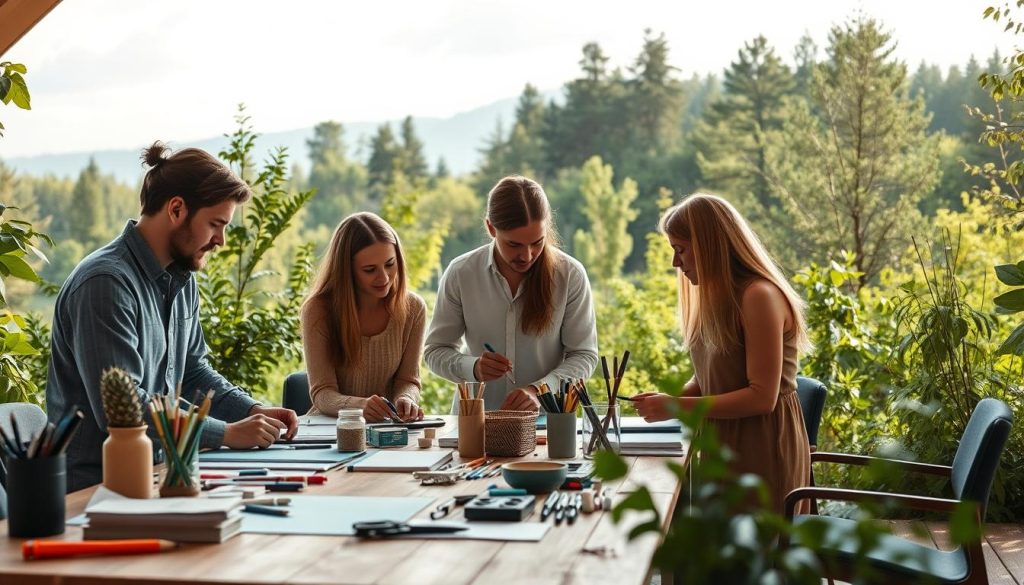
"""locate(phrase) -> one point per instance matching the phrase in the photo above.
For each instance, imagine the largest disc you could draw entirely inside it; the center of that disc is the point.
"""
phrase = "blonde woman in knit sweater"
(362, 330)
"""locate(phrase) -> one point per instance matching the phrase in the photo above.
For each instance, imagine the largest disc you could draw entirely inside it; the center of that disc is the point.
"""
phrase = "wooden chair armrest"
(850, 459)
(902, 500)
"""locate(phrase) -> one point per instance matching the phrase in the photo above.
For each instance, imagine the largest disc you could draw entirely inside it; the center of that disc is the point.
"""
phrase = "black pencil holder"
(35, 496)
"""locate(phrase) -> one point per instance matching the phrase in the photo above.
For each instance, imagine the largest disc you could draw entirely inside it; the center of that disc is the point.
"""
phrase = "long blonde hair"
(335, 284)
(514, 203)
(727, 256)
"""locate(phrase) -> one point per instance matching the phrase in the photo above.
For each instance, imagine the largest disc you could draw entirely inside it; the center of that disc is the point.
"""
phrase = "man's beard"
(181, 241)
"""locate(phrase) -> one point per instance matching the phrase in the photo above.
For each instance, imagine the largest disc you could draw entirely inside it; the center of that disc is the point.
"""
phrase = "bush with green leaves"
(721, 530)
(250, 326)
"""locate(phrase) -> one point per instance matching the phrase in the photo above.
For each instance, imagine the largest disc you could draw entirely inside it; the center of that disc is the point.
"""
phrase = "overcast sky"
(118, 73)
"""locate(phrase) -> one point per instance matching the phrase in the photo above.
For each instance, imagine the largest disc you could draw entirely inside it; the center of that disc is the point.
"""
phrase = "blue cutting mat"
(333, 515)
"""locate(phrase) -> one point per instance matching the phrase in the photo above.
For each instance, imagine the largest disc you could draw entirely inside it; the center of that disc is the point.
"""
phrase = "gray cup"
(561, 435)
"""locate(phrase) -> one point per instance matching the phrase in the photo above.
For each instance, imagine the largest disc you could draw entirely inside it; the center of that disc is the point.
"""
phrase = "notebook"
(261, 457)
(636, 424)
(111, 516)
(654, 444)
(407, 461)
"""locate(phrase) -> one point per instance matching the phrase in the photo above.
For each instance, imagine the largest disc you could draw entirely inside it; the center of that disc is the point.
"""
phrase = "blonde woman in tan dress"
(743, 325)
(362, 329)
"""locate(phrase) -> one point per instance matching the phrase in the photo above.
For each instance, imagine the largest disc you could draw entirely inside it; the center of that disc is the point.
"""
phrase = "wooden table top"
(264, 558)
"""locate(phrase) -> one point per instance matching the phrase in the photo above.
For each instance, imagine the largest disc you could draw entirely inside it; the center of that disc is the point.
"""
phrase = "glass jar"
(351, 430)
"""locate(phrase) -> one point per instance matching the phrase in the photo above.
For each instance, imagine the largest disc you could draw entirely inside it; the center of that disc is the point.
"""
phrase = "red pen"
(50, 549)
(309, 479)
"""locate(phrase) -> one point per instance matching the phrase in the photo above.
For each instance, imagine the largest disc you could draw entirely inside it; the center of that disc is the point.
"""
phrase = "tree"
(422, 242)
(87, 217)
(805, 55)
(340, 183)
(655, 99)
(249, 327)
(413, 162)
(852, 170)
(605, 247)
(385, 158)
(732, 152)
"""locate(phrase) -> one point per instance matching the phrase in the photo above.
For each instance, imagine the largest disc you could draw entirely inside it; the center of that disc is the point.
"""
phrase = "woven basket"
(510, 433)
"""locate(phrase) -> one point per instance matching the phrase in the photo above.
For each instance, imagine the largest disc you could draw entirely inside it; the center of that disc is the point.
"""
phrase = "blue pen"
(508, 374)
(268, 510)
(261, 471)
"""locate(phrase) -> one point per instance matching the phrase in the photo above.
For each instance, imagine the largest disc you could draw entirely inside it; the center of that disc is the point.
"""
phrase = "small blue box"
(387, 436)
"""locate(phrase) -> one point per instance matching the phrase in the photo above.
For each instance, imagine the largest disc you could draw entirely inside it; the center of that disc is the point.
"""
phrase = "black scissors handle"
(379, 528)
(386, 528)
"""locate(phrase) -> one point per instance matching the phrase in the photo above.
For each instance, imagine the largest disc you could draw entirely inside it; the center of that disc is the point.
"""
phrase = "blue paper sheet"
(333, 515)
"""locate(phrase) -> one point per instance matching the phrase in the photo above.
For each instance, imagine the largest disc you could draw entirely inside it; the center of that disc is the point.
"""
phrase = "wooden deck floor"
(1004, 546)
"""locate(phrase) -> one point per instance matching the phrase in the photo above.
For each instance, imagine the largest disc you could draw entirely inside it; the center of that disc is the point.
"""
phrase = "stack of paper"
(177, 519)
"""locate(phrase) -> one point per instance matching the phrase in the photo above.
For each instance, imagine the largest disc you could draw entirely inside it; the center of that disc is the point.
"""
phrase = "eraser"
(425, 442)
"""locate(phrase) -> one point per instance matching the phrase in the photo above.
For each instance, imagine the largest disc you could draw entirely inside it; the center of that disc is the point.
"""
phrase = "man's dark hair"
(192, 174)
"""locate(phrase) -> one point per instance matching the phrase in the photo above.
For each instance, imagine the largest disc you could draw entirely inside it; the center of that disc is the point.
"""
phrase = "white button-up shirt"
(475, 306)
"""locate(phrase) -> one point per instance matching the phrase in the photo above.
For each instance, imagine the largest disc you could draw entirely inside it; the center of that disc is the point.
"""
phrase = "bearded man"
(133, 304)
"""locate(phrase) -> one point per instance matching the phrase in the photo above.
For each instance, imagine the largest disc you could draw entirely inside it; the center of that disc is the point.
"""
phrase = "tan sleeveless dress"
(774, 445)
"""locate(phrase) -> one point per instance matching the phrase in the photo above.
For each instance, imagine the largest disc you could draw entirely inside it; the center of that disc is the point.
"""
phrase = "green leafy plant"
(251, 326)
(13, 87)
(18, 344)
(722, 532)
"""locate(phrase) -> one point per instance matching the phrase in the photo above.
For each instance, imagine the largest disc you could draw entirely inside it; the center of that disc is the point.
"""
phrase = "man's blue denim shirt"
(120, 307)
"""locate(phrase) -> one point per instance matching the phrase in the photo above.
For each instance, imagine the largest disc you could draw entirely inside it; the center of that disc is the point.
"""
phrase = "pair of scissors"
(386, 528)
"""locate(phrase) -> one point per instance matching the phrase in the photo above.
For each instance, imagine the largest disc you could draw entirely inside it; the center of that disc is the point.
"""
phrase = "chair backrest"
(296, 393)
(812, 401)
(31, 420)
(981, 447)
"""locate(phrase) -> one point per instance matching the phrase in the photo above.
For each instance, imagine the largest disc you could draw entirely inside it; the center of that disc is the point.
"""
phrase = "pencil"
(51, 549)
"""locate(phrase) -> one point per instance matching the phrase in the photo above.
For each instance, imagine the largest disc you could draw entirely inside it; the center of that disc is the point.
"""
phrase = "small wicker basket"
(510, 433)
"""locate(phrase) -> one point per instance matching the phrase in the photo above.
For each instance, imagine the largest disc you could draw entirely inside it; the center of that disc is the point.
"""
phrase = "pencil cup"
(601, 424)
(181, 471)
(35, 496)
(561, 435)
(471, 428)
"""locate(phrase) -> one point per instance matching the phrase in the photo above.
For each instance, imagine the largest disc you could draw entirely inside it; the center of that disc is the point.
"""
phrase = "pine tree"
(87, 217)
(731, 141)
(340, 183)
(385, 158)
(413, 162)
(604, 248)
(853, 164)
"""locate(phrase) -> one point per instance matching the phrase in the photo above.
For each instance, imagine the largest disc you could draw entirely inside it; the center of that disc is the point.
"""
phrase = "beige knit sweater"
(389, 364)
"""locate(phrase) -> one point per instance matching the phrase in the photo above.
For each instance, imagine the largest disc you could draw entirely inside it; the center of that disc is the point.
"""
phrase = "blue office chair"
(898, 559)
(296, 393)
(31, 421)
(812, 401)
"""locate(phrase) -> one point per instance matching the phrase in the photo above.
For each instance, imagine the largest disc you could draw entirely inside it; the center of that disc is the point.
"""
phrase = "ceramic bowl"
(536, 477)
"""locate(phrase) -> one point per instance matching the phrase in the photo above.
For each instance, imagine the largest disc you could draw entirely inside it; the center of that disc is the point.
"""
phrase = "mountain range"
(458, 139)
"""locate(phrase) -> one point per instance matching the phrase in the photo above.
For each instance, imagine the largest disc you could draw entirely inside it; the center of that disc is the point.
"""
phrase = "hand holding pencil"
(492, 365)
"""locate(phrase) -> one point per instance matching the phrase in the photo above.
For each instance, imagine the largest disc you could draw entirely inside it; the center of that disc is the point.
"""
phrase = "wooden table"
(262, 558)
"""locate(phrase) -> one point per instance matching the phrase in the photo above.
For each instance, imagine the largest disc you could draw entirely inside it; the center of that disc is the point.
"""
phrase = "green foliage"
(604, 247)
(13, 87)
(340, 184)
(722, 532)
(852, 337)
(732, 153)
(421, 244)
(250, 328)
(643, 317)
(853, 162)
(18, 344)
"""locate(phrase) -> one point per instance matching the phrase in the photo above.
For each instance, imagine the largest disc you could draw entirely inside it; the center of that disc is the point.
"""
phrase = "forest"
(885, 190)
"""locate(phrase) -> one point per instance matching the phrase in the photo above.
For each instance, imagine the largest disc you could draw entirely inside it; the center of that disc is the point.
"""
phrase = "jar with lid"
(351, 430)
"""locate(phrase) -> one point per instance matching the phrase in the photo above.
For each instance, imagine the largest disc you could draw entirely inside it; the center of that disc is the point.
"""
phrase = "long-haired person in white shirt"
(516, 312)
